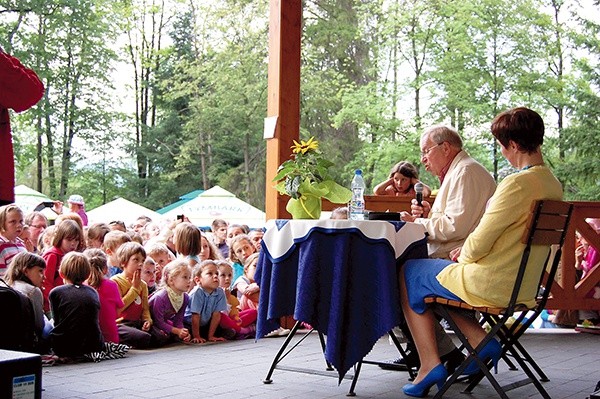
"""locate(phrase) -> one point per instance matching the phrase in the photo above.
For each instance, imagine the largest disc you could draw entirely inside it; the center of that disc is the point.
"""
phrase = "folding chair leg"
(527, 357)
(411, 372)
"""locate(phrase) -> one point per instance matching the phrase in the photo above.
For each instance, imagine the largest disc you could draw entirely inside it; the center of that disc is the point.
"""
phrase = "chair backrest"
(547, 226)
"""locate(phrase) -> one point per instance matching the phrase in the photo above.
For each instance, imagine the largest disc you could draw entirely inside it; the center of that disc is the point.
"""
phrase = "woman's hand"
(455, 253)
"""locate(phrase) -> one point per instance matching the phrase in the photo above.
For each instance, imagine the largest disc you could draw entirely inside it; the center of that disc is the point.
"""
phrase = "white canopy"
(121, 209)
(218, 203)
(27, 198)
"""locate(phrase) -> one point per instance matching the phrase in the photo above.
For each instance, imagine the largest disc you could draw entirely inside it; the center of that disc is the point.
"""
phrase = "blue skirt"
(421, 282)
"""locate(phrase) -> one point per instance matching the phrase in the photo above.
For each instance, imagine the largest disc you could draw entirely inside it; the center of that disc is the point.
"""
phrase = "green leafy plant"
(305, 178)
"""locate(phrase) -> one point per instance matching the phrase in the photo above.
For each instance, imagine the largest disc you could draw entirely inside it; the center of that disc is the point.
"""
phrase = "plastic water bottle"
(357, 203)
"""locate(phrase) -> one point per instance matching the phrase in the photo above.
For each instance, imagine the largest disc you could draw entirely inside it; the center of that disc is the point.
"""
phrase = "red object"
(20, 89)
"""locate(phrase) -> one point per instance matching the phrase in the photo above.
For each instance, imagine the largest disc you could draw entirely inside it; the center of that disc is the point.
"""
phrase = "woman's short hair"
(405, 169)
(522, 125)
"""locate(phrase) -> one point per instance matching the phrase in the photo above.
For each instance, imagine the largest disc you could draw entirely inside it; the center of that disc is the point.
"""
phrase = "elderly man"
(466, 186)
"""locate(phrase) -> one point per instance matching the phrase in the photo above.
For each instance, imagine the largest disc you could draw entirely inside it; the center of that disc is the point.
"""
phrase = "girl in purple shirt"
(168, 304)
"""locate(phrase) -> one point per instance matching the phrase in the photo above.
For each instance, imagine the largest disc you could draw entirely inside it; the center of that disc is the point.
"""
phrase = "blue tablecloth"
(339, 276)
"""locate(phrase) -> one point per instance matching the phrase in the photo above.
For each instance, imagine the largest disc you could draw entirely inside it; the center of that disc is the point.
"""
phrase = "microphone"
(419, 193)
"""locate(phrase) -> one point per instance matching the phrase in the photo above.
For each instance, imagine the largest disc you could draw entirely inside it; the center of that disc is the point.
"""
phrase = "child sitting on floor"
(26, 274)
(242, 322)
(168, 305)
(245, 286)
(111, 244)
(207, 301)
(135, 326)
(67, 237)
(108, 293)
(149, 275)
(75, 307)
(160, 253)
(240, 248)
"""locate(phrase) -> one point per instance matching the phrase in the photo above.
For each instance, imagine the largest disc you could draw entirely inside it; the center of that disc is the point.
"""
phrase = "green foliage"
(374, 74)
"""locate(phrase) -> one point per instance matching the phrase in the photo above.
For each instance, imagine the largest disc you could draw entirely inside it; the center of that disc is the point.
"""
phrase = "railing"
(568, 292)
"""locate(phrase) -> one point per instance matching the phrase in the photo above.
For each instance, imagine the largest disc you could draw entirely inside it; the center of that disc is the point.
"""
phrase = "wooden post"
(283, 93)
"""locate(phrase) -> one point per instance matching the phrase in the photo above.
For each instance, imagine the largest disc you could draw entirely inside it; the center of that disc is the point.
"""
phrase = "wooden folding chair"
(547, 226)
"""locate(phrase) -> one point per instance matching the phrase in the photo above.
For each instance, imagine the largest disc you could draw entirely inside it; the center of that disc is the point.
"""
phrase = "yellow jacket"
(489, 260)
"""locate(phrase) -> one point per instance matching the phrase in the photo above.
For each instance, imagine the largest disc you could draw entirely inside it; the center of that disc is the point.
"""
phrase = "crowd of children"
(98, 290)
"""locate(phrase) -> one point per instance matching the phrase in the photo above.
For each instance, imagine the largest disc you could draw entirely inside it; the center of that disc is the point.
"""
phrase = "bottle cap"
(358, 172)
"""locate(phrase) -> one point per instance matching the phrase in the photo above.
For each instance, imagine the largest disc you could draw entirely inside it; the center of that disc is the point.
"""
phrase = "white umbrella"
(121, 210)
(218, 203)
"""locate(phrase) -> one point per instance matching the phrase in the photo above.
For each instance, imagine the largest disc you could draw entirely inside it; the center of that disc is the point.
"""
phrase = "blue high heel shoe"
(437, 376)
(492, 350)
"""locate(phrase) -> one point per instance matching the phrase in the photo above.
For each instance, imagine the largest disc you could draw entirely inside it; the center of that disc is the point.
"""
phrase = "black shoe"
(452, 360)
(400, 364)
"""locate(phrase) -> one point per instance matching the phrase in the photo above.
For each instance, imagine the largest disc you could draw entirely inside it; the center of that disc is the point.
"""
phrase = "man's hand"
(420, 211)
(406, 217)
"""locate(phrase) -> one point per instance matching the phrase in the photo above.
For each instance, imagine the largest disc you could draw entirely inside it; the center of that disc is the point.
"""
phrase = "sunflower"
(305, 146)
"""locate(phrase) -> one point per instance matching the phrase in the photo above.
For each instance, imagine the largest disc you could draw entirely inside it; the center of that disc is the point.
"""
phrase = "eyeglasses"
(427, 150)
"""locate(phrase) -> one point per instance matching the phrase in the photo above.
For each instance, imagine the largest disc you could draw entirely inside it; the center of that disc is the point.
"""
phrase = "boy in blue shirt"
(207, 301)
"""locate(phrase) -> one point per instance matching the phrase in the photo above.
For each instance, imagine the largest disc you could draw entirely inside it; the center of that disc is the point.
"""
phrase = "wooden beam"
(283, 93)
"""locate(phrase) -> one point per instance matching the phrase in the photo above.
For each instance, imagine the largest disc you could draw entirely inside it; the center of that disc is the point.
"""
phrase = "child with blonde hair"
(240, 248)
(207, 301)
(168, 305)
(135, 323)
(111, 243)
(11, 225)
(240, 321)
(67, 238)
(186, 238)
(247, 289)
(108, 293)
(26, 275)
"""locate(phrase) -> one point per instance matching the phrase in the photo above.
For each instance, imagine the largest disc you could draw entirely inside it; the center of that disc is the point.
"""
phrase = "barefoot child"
(207, 301)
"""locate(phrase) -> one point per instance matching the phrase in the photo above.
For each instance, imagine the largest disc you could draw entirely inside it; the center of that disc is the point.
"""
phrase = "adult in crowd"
(37, 223)
(487, 264)
(20, 89)
(459, 204)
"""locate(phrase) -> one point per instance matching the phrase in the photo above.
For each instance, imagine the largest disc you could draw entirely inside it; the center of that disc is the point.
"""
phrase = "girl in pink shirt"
(110, 299)
(67, 237)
